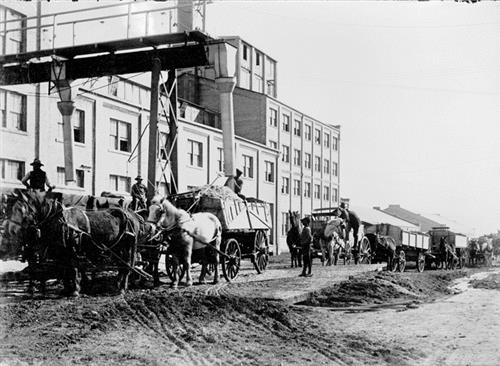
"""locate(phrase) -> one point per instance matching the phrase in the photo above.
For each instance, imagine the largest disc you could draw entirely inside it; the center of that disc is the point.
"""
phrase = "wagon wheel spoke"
(261, 251)
(231, 259)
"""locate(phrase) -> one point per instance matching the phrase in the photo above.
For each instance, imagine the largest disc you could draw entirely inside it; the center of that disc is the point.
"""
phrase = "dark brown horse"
(293, 239)
(48, 235)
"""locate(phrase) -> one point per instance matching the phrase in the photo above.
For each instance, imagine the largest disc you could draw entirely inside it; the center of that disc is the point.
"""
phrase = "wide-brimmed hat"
(138, 177)
(305, 220)
(36, 162)
(238, 172)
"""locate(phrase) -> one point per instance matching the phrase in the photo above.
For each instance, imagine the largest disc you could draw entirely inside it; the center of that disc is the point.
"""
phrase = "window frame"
(248, 170)
(273, 117)
(297, 157)
(269, 175)
(307, 189)
(297, 128)
(192, 155)
(285, 122)
(285, 185)
(285, 154)
(117, 139)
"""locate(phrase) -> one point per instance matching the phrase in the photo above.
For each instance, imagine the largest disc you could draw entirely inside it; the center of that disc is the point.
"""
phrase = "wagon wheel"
(402, 261)
(169, 267)
(365, 253)
(261, 251)
(231, 259)
(420, 262)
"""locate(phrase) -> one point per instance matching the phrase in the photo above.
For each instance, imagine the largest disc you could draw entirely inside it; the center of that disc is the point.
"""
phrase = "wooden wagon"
(246, 226)
(410, 246)
(320, 218)
(457, 243)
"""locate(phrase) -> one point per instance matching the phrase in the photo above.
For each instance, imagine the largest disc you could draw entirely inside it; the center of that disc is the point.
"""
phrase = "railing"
(64, 25)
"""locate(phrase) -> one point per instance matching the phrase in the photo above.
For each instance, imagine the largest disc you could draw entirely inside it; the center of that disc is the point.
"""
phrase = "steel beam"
(153, 126)
(105, 65)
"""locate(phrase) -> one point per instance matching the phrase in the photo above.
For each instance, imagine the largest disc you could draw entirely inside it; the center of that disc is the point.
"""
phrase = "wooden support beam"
(153, 126)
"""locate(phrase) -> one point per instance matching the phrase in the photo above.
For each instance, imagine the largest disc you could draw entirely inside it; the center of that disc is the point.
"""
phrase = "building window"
(273, 117)
(285, 222)
(286, 123)
(120, 135)
(220, 159)
(307, 160)
(285, 185)
(248, 166)
(296, 157)
(296, 127)
(317, 136)
(80, 178)
(335, 169)
(335, 143)
(326, 193)
(273, 144)
(61, 176)
(195, 153)
(245, 52)
(326, 166)
(335, 194)
(12, 42)
(269, 171)
(307, 189)
(245, 76)
(326, 140)
(285, 154)
(317, 164)
(317, 193)
(296, 187)
(11, 169)
(307, 132)
(257, 58)
(258, 84)
(13, 110)
(79, 126)
(113, 82)
(119, 183)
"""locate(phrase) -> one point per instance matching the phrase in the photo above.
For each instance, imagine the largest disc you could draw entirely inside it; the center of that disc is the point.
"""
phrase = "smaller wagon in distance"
(409, 245)
(456, 246)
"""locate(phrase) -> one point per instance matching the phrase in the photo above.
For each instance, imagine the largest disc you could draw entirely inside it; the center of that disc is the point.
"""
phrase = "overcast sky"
(415, 87)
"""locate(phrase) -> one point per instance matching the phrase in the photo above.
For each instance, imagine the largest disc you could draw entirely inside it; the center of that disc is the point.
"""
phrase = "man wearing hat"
(235, 183)
(306, 241)
(37, 178)
(138, 193)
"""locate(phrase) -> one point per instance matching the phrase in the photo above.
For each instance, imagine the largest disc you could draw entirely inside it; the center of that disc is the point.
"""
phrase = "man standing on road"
(37, 178)
(138, 193)
(306, 240)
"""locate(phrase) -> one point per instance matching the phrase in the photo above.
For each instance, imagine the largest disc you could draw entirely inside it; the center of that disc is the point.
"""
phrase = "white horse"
(200, 232)
(330, 237)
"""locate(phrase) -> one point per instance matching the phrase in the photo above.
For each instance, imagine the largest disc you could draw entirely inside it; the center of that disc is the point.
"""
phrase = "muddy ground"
(166, 327)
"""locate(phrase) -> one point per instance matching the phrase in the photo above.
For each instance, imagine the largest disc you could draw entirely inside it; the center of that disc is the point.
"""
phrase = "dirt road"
(379, 319)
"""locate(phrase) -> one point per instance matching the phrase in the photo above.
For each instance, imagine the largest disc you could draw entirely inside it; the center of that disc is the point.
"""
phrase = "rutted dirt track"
(192, 327)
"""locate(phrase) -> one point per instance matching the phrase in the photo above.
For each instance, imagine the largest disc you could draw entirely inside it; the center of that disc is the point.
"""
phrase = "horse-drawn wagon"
(447, 248)
(480, 251)
(391, 243)
(245, 226)
(326, 232)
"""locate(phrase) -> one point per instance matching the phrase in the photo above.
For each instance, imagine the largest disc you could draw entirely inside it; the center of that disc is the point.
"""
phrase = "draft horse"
(196, 236)
(293, 239)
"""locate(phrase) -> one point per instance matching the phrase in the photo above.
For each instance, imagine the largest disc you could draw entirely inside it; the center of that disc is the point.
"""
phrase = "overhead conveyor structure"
(184, 48)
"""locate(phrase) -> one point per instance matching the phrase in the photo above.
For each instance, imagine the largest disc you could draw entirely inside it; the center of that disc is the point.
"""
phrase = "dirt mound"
(491, 282)
(385, 287)
(168, 328)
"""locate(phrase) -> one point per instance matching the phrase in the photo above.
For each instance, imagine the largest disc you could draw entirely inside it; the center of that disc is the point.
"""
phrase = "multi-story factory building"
(288, 158)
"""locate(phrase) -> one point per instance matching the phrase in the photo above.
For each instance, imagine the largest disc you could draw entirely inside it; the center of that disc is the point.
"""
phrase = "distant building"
(425, 223)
